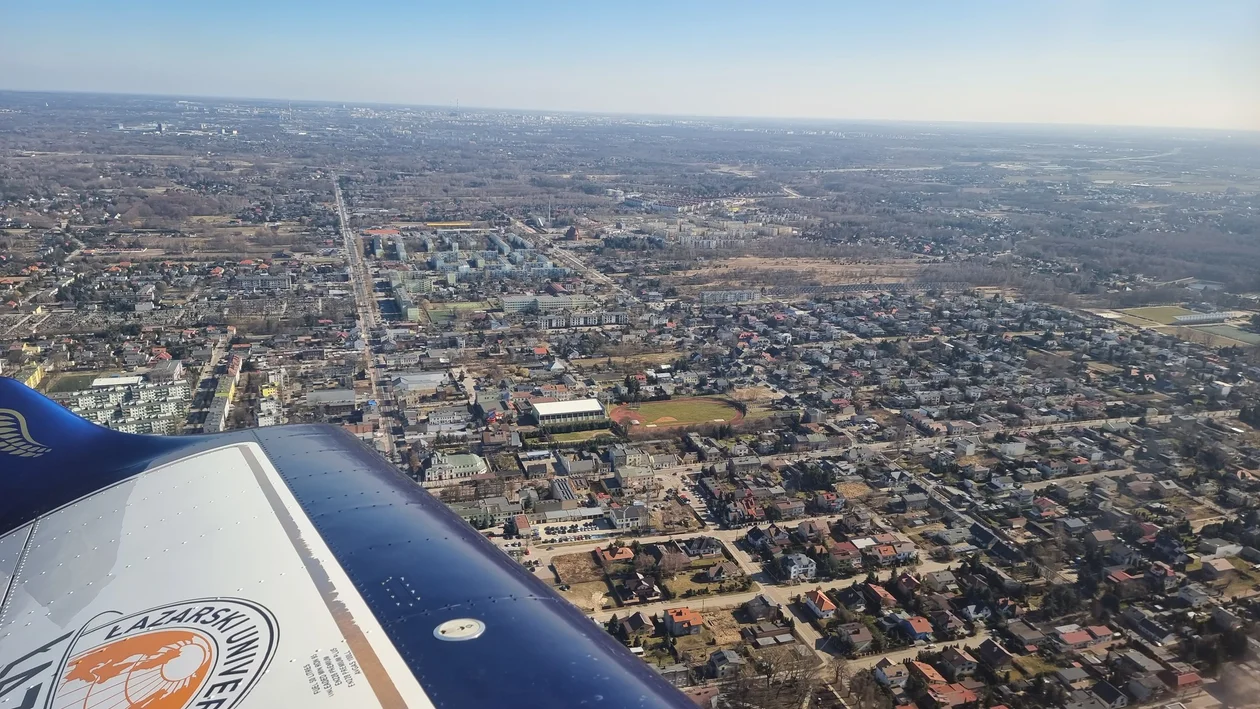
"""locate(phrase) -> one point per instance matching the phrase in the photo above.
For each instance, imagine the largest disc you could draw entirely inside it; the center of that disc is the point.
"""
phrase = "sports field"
(677, 412)
(1159, 314)
(1232, 333)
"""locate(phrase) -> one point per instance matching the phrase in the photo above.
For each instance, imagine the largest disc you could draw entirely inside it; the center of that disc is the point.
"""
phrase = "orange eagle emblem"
(162, 669)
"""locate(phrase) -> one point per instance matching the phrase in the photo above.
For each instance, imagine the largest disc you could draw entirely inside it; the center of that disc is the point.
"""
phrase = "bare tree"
(671, 563)
(644, 563)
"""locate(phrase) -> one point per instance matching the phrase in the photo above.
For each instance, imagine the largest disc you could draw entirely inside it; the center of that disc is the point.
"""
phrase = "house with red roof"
(925, 672)
(949, 696)
(1181, 680)
(916, 627)
(818, 603)
(878, 595)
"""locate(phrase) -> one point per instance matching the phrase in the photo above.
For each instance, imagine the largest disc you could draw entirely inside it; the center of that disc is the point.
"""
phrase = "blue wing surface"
(284, 566)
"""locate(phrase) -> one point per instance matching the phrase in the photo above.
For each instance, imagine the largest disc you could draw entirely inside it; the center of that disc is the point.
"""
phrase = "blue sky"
(1072, 61)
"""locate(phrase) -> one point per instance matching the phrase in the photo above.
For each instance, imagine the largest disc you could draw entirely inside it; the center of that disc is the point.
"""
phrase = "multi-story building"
(545, 303)
(131, 404)
(449, 469)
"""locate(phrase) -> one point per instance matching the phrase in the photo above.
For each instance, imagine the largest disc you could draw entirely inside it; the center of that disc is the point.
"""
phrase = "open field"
(724, 627)
(674, 517)
(1200, 335)
(1158, 314)
(628, 362)
(1193, 510)
(75, 380)
(445, 313)
(581, 436)
(694, 648)
(577, 568)
(589, 596)
(1244, 583)
(746, 271)
(677, 412)
(853, 491)
(1232, 333)
(1031, 665)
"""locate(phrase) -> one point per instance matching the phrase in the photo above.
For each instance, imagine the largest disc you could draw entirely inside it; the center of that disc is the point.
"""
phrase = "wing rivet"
(460, 629)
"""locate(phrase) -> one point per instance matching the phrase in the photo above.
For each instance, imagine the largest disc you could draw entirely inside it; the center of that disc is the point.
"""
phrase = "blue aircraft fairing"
(537, 649)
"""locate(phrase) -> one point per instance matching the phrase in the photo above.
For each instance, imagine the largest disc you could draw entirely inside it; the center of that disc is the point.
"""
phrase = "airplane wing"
(277, 567)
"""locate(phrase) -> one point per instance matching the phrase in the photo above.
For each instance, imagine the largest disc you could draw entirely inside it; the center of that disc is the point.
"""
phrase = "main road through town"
(366, 307)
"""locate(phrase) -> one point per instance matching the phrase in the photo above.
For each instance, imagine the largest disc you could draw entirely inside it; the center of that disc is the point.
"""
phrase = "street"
(368, 313)
(201, 397)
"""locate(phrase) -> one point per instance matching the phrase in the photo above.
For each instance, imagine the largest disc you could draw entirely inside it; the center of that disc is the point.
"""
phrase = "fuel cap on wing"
(459, 629)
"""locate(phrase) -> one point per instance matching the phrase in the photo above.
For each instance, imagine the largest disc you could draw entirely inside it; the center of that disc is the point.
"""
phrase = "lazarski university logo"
(205, 653)
(161, 668)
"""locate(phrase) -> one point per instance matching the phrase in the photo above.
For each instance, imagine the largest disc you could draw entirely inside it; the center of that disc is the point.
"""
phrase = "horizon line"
(629, 114)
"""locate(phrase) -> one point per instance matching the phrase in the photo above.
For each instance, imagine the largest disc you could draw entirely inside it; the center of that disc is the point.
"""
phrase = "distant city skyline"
(1160, 64)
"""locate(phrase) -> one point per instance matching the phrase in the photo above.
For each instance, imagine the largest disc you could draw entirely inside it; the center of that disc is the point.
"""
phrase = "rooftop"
(560, 408)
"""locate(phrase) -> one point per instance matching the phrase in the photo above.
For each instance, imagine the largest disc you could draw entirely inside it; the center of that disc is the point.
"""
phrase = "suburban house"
(810, 532)
(1110, 695)
(916, 627)
(845, 552)
(857, 635)
(683, 621)
(795, 567)
(761, 608)
(958, 662)
(703, 548)
(925, 672)
(819, 604)
(615, 555)
(994, 655)
(949, 696)
(941, 581)
(722, 571)
(724, 664)
(877, 595)
(1026, 635)
(891, 675)
(638, 589)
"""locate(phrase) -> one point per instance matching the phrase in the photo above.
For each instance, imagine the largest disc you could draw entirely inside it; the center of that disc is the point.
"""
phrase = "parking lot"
(577, 532)
(684, 482)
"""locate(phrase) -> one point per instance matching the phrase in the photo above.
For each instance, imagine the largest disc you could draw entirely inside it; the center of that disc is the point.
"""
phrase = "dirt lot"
(674, 517)
(753, 394)
(853, 491)
(1193, 510)
(789, 271)
(577, 568)
(589, 596)
(724, 627)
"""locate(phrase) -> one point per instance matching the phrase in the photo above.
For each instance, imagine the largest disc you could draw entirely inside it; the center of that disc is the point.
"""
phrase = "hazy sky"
(1176, 63)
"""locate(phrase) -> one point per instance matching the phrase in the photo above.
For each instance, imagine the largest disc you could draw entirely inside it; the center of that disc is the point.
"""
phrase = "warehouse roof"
(558, 408)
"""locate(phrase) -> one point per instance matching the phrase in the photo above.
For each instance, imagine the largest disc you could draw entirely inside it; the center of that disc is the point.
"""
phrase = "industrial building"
(569, 413)
(1202, 318)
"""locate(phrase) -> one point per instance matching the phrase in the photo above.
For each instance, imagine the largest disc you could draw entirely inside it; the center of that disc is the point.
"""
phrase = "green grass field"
(445, 313)
(1158, 314)
(581, 436)
(1232, 333)
(678, 412)
(76, 380)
